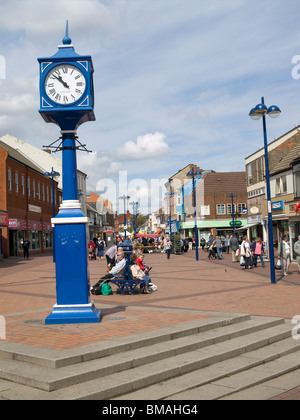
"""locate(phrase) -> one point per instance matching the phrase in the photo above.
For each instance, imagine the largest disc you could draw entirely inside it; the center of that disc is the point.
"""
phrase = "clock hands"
(59, 78)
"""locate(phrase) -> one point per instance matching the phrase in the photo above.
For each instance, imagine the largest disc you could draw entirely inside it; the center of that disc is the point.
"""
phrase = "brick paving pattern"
(187, 290)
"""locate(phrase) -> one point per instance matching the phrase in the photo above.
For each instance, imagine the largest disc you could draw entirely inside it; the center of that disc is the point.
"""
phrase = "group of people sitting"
(116, 266)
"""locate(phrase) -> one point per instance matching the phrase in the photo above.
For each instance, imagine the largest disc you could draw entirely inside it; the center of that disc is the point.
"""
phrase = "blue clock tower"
(67, 99)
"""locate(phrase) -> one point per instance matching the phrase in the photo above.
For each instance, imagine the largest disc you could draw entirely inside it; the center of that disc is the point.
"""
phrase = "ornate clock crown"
(66, 41)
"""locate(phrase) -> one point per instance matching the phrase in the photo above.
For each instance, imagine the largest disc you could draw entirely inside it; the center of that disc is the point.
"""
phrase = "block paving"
(187, 290)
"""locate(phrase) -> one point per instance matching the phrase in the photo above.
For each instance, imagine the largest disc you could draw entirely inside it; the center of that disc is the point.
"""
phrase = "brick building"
(26, 201)
(213, 201)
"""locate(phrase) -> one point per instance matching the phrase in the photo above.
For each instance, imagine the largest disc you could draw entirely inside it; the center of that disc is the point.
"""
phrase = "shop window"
(47, 238)
(35, 239)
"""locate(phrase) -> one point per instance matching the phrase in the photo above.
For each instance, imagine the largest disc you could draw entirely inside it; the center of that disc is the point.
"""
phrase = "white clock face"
(65, 84)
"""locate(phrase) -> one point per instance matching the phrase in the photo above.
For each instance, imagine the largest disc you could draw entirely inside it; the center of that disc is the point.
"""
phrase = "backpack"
(106, 289)
(102, 288)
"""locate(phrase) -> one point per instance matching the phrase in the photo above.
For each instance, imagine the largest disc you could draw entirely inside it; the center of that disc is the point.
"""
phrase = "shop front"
(222, 228)
(3, 225)
(292, 210)
(38, 233)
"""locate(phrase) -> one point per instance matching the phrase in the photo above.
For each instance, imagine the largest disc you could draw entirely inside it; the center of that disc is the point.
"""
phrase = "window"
(241, 206)
(48, 194)
(9, 179)
(296, 174)
(39, 191)
(17, 182)
(284, 184)
(179, 198)
(28, 187)
(221, 209)
(249, 173)
(277, 186)
(229, 208)
(43, 192)
(281, 185)
(205, 210)
(33, 189)
(23, 185)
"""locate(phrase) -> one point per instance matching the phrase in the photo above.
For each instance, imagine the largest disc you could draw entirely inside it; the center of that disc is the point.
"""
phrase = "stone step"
(244, 380)
(57, 358)
(50, 379)
(135, 369)
(225, 369)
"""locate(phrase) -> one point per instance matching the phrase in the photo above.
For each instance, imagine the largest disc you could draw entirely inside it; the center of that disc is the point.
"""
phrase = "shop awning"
(248, 226)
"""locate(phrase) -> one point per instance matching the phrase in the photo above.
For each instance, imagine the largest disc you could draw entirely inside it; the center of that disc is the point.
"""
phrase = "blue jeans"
(219, 251)
(261, 260)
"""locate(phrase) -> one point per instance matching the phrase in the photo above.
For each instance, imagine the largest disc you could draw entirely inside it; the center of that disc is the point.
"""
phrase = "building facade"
(26, 201)
(283, 155)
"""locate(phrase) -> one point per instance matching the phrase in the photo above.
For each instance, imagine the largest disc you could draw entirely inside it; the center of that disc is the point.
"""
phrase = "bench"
(126, 284)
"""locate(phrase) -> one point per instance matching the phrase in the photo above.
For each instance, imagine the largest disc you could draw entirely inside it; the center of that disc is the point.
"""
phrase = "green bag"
(106, 289)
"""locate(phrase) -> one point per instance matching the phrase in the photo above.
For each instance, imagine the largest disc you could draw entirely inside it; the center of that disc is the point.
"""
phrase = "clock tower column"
(68, 104)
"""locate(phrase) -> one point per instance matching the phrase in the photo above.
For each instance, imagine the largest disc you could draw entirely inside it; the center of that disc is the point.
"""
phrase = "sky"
(174, 83)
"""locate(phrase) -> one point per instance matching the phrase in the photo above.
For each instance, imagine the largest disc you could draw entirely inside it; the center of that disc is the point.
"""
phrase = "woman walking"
(246, 252)
(258, 252)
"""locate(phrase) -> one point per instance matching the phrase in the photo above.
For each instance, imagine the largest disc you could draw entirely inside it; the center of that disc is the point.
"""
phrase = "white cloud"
(145, 147)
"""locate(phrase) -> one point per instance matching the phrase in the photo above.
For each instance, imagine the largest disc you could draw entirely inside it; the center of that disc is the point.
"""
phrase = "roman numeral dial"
(65, 84)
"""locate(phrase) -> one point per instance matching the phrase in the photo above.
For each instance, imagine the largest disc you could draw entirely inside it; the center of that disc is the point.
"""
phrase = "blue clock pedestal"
(71, 255)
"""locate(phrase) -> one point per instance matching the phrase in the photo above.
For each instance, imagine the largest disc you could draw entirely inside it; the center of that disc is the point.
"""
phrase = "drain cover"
(116, 317)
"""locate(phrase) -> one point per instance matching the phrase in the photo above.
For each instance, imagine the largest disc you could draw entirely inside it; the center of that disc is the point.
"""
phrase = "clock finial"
(66, 40)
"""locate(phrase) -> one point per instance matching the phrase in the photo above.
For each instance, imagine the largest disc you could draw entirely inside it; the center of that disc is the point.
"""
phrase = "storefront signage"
(277, 205)
(236, 223)
(35, 209)
(3, 219)
(19, 224)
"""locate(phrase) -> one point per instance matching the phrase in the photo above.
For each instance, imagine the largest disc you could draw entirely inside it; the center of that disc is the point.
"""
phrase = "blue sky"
(174, 81)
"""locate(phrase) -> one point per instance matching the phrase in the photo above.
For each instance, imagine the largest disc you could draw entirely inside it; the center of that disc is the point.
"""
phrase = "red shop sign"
(3, 219)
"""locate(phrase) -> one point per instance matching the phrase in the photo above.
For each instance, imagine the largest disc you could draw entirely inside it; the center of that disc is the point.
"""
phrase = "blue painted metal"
(68, 117)
(71, 254)
(260, 111)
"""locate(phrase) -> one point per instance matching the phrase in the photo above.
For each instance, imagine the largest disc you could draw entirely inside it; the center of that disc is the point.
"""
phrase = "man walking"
(284, 254)
(297, 251)
(234, 246)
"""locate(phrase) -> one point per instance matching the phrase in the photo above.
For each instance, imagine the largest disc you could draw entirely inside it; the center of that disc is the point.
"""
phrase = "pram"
(92, 253)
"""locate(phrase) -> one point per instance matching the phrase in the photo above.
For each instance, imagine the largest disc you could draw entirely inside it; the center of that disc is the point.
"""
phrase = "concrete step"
(217, 371)
(122, 373)
(52, 379)
(57, 359)
(244, 380)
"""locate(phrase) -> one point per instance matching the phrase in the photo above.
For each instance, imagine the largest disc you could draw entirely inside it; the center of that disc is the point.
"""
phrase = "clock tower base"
(72, 274)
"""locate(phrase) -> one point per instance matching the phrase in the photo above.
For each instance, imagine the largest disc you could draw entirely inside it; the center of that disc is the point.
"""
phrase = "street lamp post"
(256, 113)
(52, 174)
(232, 210)
(134, 205)
(124, 197)
(192, 174)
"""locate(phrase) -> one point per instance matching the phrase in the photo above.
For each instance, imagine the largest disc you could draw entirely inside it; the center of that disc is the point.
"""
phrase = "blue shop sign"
(277, 205)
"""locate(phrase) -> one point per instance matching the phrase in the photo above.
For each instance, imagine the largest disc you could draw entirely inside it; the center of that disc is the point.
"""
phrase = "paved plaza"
(187, 290)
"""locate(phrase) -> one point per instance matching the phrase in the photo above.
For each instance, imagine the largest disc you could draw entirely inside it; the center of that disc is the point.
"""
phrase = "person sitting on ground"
(138, 273)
